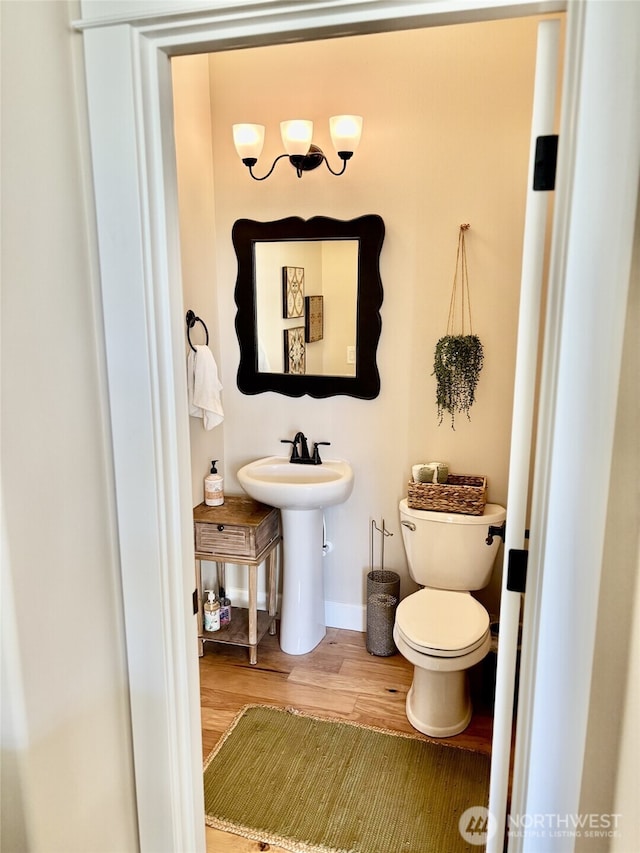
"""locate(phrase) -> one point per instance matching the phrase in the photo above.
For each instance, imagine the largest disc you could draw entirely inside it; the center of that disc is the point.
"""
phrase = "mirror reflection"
(306, 306)
(309, 294)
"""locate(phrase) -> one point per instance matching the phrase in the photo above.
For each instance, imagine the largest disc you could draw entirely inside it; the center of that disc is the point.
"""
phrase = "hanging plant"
(458, 358)
(457, 365)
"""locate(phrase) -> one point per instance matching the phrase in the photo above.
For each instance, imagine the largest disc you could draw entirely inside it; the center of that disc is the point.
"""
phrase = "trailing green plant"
(458, 358)
(457, 364)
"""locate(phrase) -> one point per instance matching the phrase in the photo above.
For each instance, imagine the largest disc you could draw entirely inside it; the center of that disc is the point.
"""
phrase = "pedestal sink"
(301, 492)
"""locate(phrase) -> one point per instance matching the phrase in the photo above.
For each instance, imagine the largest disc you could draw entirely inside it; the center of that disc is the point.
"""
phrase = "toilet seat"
(442, 623)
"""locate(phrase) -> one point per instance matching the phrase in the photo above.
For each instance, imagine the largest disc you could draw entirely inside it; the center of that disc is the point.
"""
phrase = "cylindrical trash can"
(383, 595)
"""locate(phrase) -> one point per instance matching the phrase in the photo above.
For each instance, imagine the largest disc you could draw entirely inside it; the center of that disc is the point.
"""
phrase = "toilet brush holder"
(383, 595)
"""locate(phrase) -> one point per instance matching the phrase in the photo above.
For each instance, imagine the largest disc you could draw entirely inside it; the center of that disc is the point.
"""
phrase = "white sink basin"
(276, 481)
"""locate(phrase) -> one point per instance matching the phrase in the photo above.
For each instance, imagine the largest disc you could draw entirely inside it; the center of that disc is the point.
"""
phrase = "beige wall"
(67, 769)
(197, 238)
(626, 770)
(447, 115)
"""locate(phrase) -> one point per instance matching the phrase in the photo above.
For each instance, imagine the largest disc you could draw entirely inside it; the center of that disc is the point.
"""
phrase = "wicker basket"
(460, 494)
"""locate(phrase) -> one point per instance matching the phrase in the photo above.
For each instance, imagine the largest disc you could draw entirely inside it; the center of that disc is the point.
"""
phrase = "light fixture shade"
(296, 136)
(249, 140)
(345, 132)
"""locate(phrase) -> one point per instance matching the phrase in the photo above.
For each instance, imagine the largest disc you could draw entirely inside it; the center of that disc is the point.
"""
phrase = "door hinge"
(517, 569)
(544, 168)
(195, 602)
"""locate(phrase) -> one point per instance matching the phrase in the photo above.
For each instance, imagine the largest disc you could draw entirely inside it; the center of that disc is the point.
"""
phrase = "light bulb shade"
(296, 136)
(345, 132)
(249, 140)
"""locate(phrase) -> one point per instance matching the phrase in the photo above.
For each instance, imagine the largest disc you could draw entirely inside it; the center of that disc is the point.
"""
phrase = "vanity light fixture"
(296, 138)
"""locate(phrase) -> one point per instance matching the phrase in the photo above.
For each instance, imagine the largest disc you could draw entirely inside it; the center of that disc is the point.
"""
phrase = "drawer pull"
(221, 527)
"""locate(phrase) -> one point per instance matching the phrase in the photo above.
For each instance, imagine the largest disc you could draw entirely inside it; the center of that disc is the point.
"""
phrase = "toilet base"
(438, 703)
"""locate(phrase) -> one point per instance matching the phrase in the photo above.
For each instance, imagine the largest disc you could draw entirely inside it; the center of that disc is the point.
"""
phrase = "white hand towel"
(204, 387)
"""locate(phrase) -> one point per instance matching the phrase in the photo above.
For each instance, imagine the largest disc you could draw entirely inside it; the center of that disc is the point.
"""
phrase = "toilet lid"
(442, 623)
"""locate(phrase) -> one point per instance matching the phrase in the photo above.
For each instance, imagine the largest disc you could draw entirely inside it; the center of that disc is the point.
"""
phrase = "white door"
(525, 392)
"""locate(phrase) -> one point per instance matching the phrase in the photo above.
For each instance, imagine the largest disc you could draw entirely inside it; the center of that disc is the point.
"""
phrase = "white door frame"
(592, 244)
(127, 50)
(543, 123)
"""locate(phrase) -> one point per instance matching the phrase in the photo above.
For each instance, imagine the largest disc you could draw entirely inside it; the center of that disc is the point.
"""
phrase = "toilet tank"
(449, 550)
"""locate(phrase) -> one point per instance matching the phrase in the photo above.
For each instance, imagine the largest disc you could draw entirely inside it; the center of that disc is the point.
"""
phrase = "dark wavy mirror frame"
(369, 231)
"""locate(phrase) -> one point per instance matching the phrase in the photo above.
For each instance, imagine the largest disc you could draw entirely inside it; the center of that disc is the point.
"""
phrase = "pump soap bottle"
(213, 487)
(225, 608)
(211, 612)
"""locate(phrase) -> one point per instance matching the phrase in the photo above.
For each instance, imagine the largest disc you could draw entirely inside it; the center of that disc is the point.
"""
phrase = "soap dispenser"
(213, 487)
(225, 608)
(211, 612)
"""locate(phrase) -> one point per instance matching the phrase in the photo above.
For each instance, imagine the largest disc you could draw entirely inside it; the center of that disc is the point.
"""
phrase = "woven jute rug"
(314, 785)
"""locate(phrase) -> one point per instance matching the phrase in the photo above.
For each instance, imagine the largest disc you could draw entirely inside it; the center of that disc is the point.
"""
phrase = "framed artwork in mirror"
(292, 292)
(313, 319)
(294, 351)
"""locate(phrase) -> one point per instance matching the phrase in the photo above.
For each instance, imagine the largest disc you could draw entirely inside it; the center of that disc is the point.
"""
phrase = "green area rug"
(319, 786)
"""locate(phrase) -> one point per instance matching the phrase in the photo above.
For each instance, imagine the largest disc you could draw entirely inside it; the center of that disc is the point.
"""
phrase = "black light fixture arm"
(301, 162)
(250, 162)
(344, 156)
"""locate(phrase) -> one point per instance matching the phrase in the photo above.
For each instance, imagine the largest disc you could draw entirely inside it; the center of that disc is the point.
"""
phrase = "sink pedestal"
(302, 622)
(301, 492)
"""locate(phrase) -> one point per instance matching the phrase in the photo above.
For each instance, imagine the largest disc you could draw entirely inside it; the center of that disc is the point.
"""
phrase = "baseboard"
(351, 617)
(239, 597)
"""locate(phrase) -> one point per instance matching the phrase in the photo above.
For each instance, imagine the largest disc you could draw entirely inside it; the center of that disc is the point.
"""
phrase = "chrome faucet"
(302, 456)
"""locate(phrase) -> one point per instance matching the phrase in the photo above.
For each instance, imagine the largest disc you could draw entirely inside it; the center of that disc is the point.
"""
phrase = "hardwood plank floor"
(338, 679)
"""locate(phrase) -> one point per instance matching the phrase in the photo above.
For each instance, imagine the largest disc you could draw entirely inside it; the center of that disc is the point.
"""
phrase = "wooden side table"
(241, 532)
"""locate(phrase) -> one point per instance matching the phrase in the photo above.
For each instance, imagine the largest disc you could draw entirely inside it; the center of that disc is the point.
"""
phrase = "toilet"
(442, 629)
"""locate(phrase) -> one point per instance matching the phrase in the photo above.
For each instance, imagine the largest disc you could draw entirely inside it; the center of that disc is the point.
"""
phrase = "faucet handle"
(316, 453)
(294, 452)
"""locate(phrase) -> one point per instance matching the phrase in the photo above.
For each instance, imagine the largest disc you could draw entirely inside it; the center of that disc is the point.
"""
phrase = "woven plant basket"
(461, 493)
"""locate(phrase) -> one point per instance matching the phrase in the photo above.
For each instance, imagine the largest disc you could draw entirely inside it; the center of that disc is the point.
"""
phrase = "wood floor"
(339, 679)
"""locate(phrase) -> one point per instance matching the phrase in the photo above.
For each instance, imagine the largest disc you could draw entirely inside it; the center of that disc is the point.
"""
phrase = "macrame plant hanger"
(459, 355)
(461, 266)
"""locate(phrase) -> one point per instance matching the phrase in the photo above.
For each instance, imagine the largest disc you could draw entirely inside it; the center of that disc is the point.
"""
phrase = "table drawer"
(225, 539)
(239, 529)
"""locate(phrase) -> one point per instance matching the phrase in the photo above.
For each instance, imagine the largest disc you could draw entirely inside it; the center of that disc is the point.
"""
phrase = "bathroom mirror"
(308, 294)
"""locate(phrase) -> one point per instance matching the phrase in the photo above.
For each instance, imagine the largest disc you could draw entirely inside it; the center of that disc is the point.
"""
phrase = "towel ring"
(191, 321)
